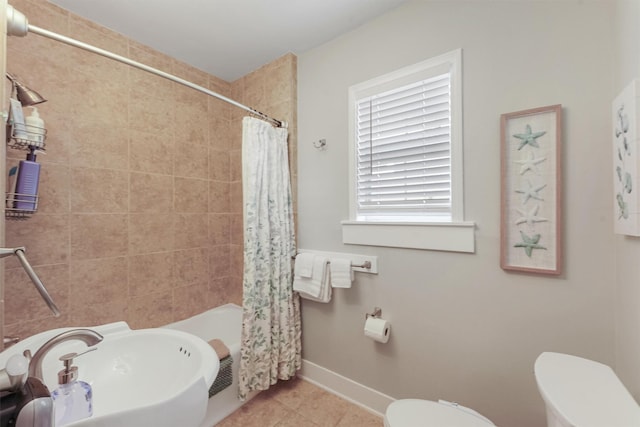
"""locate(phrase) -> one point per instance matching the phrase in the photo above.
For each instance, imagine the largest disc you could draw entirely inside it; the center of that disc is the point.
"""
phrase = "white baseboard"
(361, 395)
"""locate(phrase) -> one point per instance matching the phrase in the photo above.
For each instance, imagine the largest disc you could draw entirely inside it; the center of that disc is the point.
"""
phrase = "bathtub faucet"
(88, 336)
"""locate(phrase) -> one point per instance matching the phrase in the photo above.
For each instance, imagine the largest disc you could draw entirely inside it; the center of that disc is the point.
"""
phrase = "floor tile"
(298, 403)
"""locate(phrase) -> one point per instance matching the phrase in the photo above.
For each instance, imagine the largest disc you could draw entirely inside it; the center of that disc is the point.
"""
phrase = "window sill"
(446, 236)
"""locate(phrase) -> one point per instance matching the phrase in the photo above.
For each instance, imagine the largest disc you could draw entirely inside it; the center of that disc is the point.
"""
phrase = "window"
(406, 154)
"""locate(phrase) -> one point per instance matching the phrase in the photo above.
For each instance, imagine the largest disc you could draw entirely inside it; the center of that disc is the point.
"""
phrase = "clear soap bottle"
(73, 399)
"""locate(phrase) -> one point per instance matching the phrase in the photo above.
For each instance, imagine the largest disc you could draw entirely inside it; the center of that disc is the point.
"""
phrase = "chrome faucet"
(88, 336)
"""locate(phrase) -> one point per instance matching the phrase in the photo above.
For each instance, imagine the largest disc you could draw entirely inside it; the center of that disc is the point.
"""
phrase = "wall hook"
(321, 144)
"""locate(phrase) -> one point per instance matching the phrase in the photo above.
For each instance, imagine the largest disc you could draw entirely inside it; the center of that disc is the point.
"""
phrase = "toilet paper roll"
(377, 329)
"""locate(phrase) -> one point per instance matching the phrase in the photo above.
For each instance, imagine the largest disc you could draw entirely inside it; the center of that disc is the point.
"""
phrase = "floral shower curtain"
(271, 347)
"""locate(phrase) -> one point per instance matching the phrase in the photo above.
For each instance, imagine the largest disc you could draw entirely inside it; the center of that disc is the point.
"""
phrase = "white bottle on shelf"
(35, 128)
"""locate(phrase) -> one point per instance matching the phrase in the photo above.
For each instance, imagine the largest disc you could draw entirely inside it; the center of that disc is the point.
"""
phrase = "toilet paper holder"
(377, 313)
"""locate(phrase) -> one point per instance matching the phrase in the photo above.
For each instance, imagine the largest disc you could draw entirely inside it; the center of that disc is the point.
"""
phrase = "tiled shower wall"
(140, 212)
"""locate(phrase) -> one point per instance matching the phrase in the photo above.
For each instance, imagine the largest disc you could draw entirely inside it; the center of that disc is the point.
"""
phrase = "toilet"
(427, 413)
(583, 392)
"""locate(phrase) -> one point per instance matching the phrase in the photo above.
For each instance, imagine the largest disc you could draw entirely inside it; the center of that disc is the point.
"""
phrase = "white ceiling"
(230, 38)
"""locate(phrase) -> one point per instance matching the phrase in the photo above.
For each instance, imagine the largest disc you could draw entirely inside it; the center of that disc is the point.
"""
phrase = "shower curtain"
(271, 347)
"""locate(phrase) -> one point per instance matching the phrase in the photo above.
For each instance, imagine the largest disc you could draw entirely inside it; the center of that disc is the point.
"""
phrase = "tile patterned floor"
(298, 403)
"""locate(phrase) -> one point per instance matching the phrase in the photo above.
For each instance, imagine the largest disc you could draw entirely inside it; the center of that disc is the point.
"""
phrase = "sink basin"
(146, 377)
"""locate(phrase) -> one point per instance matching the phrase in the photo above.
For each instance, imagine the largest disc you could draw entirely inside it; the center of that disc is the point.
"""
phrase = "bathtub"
(225, 323)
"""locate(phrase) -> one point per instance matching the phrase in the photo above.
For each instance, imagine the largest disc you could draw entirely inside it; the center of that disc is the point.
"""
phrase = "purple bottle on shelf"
(27, 183)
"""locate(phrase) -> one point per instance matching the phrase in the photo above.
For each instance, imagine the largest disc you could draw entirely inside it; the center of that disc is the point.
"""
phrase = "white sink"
(146, 377)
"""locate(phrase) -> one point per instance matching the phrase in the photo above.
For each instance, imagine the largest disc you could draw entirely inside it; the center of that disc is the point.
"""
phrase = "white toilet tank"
(582, 393)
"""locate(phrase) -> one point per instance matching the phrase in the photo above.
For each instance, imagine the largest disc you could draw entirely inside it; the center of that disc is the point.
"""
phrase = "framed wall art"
(531, 202)
(626, 203)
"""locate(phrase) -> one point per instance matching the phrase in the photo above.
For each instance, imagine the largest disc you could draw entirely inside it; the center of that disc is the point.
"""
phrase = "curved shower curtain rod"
(18, 25)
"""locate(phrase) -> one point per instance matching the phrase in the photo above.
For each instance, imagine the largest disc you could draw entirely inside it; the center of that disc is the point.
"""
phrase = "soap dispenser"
(72, 400)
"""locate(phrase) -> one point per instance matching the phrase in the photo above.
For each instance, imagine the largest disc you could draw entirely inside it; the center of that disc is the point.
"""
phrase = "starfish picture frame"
(530, 196)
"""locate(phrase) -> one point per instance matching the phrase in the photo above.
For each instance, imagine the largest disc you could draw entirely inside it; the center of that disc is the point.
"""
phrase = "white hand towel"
(320, 278)
(303, 266)
(341, 273)
(317, 288)
(325, 294)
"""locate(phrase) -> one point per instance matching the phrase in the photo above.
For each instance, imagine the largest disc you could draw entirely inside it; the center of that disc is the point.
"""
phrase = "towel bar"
(366, 264)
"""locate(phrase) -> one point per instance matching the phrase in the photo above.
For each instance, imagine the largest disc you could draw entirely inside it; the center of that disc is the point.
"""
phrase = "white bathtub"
(225, 323)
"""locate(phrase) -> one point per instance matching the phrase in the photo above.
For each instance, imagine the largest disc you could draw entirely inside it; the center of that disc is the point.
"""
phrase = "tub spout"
(88, 336)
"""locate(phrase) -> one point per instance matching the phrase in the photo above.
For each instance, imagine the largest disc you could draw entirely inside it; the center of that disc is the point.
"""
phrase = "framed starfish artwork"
(626, 155)
(530, 197)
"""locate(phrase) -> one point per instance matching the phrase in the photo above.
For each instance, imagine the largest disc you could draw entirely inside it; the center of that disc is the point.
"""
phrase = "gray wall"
(463, 329)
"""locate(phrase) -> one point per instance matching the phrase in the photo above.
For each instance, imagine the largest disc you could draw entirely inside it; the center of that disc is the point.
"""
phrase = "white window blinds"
(403, 150)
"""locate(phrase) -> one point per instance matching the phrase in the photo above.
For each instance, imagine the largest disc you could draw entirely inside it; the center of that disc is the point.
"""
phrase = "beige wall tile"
(143, 83)
(191, 195)
(191, 266)
(53, 189)
(88, 100)
(219, 197)
(99, 190)
(237, 260)
(151, 310)
(235, 165)
(189, 300)
(219, 229)
(235, 197)
(98, 36)
(237, 229)
(191, 230)
(186, 96)
(192, 158)
(220, 292)
(151, 152)
(220, 262)
(278, 86)
(151, 273)
(220, 135)
(192, 155)
(150, 233)
(98, 235)
(235, 131)
(97, 145)
(45, 237)
(235, 291)
(26, 328)
(218, 165)
(220, 86)
(96, 281)
(149, 114)
(23, 300)
(99, 314)
(218, 109)
(150, 193)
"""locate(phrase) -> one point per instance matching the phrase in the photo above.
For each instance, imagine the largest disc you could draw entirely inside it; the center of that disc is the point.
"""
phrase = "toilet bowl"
(426, 413)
